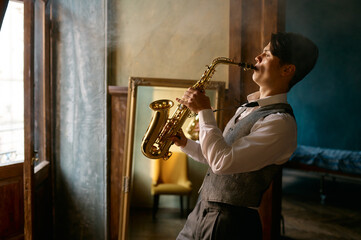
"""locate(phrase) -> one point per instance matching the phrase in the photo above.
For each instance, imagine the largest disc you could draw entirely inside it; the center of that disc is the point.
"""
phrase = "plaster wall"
(79, 76)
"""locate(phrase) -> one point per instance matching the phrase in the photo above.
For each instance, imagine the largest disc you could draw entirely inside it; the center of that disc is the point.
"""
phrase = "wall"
(79, 72)
(165, 39)
(168, 39)
(327, 102)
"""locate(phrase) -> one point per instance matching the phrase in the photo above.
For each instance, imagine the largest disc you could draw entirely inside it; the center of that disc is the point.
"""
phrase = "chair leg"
(188, 204)
(155, 205)
(181, 205)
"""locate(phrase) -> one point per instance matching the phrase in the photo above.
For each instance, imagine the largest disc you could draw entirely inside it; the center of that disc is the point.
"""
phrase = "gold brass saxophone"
(156, 143)
(193, 129)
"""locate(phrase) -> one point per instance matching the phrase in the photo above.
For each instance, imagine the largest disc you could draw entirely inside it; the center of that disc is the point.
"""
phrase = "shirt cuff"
(206, 117)
(190, 148)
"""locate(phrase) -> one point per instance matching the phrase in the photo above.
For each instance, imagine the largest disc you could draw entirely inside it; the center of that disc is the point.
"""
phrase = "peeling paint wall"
(80, 137)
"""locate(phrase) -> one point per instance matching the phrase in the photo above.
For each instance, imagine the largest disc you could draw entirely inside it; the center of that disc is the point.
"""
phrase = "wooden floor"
(305, 217)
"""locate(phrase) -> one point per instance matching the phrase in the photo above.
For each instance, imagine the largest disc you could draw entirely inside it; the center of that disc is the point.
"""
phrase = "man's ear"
(288, 70)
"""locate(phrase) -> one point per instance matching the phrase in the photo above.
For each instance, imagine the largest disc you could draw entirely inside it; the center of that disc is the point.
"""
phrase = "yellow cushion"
(169, 188)
(171, 176)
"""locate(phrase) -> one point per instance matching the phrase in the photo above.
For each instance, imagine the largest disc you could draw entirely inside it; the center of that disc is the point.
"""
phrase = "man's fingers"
(181, 101)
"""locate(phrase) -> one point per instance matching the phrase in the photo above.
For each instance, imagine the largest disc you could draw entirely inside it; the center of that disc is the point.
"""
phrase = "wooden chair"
(170, 177)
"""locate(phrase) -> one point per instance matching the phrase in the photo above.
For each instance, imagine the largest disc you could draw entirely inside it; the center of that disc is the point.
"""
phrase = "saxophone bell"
(160, 117)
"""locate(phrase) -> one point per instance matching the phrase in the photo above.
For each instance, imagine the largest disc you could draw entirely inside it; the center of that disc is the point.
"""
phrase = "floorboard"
(305, 217)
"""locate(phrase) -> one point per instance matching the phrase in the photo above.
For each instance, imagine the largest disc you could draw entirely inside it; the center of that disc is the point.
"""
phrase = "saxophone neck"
(243, 65)
(207, 75)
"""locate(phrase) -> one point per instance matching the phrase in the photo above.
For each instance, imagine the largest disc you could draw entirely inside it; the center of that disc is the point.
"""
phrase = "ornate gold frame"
(134, 83)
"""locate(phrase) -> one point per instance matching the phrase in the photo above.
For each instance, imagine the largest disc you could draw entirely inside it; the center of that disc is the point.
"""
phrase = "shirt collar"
(279, 98)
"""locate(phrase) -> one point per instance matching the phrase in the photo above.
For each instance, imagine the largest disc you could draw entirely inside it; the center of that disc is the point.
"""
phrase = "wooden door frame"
(251, 25)
(36, 176)
(29, 116)
(34, 181)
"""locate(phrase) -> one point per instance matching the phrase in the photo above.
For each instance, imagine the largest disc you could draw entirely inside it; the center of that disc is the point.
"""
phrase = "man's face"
(268, 68)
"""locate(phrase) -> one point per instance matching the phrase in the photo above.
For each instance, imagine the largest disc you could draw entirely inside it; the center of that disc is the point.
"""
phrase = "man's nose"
(258, 58)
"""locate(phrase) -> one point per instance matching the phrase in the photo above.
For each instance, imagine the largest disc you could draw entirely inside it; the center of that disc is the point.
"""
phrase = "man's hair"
(292, 48)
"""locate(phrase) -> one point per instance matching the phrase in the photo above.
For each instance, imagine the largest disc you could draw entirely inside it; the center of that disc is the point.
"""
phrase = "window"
(12, 85)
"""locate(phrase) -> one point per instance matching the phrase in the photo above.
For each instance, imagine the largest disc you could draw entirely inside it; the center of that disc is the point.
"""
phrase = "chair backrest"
(173, 170)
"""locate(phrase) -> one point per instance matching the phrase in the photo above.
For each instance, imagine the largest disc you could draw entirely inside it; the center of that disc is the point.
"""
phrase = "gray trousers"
(210, 220)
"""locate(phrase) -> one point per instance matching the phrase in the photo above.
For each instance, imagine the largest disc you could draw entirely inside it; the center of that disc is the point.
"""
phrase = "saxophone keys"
(166, 157)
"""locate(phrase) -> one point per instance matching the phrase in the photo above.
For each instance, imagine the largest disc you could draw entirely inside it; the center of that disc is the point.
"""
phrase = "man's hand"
(195, 100)
(180, 139)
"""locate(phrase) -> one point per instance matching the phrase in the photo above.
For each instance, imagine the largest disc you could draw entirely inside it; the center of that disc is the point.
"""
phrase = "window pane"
(12, 85)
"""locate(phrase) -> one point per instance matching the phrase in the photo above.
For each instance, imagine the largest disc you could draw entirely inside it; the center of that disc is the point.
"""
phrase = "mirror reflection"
(143, 199)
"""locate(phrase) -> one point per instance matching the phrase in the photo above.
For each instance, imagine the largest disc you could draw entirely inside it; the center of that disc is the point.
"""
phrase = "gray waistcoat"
(242, 189)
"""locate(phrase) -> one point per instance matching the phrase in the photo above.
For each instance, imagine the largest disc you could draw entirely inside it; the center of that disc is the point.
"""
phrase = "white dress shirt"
(272, 140)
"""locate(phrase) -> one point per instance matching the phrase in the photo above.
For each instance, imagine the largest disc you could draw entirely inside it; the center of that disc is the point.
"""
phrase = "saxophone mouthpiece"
(247, 66)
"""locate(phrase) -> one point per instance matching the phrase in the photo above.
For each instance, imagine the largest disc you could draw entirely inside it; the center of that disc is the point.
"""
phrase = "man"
(255, 143)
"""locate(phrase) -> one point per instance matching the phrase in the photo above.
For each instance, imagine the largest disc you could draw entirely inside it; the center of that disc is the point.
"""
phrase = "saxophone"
(156, 143)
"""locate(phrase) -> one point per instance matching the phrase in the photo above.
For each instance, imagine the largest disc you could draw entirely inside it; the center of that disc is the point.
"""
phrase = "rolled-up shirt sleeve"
(272, 140)
(193, 149)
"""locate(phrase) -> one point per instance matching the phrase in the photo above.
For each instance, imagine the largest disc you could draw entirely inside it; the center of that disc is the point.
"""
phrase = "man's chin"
(254, 77)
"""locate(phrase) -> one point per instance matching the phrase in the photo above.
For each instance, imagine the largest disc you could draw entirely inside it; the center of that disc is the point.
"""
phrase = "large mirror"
(137, 167)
